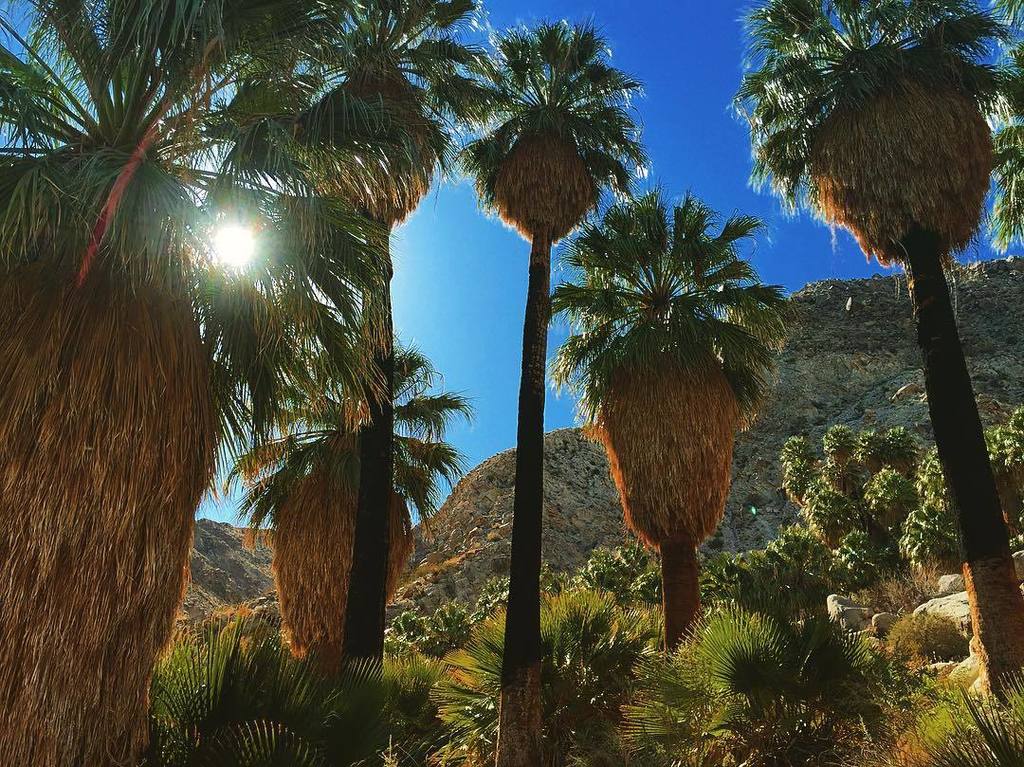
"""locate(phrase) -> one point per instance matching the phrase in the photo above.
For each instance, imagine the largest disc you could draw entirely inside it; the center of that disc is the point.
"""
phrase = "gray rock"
(848, 614)
(942, 669)
(881, 623)
(950, 584)
(1018, 564)
(953, 606)
(223, 571)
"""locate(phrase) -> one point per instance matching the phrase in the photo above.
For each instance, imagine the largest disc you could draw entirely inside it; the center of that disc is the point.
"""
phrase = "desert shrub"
(234, 697)
(591, 646)
(901, 591)
(927, 639)
(749, 689)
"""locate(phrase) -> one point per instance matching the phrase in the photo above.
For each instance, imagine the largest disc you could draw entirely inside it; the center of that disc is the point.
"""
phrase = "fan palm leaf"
(130, 356)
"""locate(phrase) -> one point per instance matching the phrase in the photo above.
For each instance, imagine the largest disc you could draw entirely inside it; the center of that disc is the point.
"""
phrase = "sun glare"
(234, 245)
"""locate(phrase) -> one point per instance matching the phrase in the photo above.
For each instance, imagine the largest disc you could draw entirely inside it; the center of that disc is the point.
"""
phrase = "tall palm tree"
(872, 115)
(557, 132)
(303, 486)
(128, 353)
(673, 350)
(408, 55)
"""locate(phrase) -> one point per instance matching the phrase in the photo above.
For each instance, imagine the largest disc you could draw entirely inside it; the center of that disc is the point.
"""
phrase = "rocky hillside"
(224, 572)
(851, 358)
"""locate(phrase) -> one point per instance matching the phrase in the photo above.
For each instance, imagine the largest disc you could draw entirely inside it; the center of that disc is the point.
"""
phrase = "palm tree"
(129, 354)
(303, 486)
(872, 115)
(557, 131)
(673, 352)
(407, 55)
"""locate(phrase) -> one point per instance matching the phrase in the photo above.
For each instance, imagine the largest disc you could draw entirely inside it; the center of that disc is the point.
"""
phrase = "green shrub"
(790, 578)
(629, 572)
(232, 696)
(591, 646)
(926, 639)
(974, 733)
(446, 630)
(749, 689)
(415, 731)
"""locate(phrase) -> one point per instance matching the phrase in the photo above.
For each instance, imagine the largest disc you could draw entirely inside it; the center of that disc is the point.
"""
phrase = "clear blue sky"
(460, 277)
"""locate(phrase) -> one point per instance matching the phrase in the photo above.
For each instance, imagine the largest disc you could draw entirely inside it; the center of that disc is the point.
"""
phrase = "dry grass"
(902, 592)
(312, 541)
(669, 438)
(106, 447)
(544, 187)
(915, 156)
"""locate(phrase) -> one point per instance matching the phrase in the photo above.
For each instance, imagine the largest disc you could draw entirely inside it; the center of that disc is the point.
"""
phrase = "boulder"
(848, 614)
(881, 623)
(950, 584)
(1018, 564)
(953, 606)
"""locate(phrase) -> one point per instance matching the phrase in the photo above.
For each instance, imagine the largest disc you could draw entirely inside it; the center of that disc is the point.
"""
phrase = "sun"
(234, 245)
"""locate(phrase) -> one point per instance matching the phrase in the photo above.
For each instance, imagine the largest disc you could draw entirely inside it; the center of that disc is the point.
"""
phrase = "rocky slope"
(224, 572)
(851, 358)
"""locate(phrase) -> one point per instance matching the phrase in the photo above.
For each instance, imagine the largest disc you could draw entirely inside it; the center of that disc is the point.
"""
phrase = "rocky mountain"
(224, 572)
(851, 358)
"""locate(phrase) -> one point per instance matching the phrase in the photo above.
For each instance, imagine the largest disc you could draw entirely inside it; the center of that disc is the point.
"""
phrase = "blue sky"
(460, 277)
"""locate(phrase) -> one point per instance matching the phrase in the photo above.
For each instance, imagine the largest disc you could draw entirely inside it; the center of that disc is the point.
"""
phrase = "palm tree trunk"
(997, 607)
(680, 589)
(367, 594)
(519, 721)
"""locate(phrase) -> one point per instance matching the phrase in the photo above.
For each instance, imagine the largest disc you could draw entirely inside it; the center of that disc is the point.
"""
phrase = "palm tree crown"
(871, 113)
(409, 54)
(557, 118)
(128, 144)
(323, 437)
(656, 289)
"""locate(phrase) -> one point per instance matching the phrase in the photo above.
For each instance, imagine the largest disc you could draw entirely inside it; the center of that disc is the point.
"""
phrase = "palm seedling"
(872, 114)
(129, 355)
(673, 350)
(303, 489)
(557, 131)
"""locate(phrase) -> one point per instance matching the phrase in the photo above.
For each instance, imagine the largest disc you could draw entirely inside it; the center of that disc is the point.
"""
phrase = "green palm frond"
(653, 287)
(555, 80)
(808, 59)
(320, 429)
(133, 130)
(234, 695)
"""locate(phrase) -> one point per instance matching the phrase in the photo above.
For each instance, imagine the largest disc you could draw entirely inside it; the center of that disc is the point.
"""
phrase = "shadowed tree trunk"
(997, 607)
(519, 720)
(680, 590)
(367, 593)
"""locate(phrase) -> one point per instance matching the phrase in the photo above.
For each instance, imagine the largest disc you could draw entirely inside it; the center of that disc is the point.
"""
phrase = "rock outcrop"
(224, 572)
